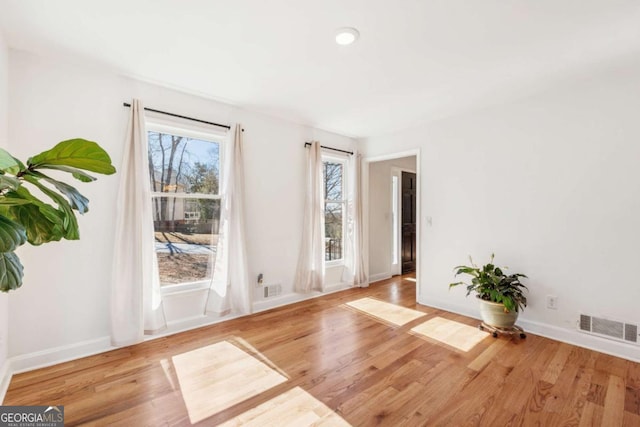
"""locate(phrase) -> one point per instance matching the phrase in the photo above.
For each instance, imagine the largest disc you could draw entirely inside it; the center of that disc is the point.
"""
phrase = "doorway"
(393, 213)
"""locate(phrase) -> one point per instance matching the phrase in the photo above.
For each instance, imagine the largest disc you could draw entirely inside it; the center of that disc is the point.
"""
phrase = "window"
(184, 172)
(334, 208)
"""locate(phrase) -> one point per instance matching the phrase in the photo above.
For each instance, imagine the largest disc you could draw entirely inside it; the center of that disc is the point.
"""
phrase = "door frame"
(366, 162)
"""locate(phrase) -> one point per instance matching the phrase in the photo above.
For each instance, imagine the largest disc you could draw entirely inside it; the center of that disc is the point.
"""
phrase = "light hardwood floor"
(331, 356)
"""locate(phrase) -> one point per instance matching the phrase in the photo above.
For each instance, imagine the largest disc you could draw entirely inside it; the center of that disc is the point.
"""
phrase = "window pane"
(178, 164)
(332, 181)
(333, 231)
(186, 235)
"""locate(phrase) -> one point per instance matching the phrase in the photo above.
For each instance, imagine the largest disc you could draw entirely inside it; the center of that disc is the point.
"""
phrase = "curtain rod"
(182, 117)
(308, 144)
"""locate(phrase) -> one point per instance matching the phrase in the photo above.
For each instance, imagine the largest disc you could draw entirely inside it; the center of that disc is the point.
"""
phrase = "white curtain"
(136, 303)
(310, 271)
(230, 289)
(354, 271)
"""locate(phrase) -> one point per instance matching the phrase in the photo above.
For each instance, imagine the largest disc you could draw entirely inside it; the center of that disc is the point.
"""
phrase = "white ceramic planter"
(493, 314)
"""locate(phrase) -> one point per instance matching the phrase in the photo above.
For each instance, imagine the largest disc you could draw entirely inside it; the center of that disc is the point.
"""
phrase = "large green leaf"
(10, 164)
(77, 200)
(12, 201)
(76, 153)
(11, 271)
(9, 183)
(37, 221)
(69, 220)
(12, 235)
(43, 222)
(76, 173)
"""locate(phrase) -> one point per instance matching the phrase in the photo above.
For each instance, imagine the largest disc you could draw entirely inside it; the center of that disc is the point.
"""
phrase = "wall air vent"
(272, 290)
(607, 328)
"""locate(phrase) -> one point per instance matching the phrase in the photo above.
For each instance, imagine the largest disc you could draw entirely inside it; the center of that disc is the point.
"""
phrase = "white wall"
(4, 104)
(64, 299)
(551, 184)
(380, 215)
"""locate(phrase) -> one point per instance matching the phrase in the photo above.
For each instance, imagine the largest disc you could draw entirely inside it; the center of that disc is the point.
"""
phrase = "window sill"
(333, 264)
(183, 288)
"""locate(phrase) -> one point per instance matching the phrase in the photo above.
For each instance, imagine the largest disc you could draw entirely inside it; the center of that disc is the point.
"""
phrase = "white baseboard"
(293, 297)
(279, 301)
(336, 287)
(380, 276)
(187, 324)
(5, 379)
(567, 335)
(575, 337)
(52, 356)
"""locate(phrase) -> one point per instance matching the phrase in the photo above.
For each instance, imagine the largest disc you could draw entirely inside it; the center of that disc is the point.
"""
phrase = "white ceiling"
(416, 60)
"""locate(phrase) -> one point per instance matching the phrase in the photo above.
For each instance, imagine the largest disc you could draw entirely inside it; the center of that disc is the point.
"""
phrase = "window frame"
(192, 132)
(342, 160)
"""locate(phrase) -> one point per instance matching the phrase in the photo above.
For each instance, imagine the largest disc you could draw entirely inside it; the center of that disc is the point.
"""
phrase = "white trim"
(5, 379)
(398, 155)
(336, 287)
(567, 335)
(190, 323)
(334, 263)
(279, 301)
(65, 353)
(158, 194)
(380, 276)
(575, 337)
(184, 288)
(185, 128)
(293, 297)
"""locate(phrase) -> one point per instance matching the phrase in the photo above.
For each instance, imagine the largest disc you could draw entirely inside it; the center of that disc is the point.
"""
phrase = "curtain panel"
(354, 271)
(136, 302)
(230, 290)
(310, 270)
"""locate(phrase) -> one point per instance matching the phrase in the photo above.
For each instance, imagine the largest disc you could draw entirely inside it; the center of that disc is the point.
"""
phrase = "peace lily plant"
(491, 283)
(501, 295)
(25, 217)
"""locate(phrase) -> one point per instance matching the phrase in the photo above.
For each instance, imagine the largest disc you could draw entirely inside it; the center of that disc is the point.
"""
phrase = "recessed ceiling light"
(345, 36)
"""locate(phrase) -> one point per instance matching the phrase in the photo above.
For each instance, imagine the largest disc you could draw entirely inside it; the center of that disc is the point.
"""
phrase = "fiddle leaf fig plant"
(49, 215)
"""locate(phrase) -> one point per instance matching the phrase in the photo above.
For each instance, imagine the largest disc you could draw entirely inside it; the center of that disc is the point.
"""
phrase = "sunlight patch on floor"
(389, 313)
(166, 367)
(295, 408)
(452, 333)
(411, 279)
(216, 377)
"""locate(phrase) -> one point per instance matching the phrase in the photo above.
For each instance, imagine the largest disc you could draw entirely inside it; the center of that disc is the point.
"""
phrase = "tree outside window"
(334, 209)
(185, 180)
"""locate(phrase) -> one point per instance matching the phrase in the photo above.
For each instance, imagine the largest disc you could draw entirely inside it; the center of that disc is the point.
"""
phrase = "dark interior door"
(408, 222)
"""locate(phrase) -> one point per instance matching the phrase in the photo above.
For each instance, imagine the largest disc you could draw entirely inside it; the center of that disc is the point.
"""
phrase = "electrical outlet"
(552, 302)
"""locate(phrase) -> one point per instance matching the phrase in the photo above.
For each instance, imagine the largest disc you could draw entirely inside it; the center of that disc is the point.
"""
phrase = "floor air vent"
(614, 329)
(272, 290)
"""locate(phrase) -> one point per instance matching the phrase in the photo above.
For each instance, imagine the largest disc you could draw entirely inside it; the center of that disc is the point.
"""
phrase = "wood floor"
(343, 364)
